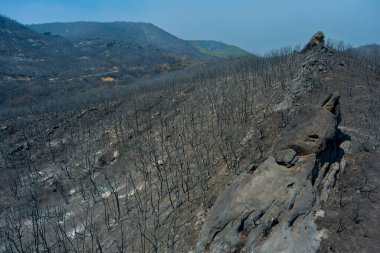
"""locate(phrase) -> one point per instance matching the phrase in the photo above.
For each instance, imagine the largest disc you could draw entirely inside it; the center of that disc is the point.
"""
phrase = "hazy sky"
(255, 25)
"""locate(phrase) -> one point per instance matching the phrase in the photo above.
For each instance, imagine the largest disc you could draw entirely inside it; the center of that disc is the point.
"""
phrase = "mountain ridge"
(21, 46)
(27, 54)
(136, 33)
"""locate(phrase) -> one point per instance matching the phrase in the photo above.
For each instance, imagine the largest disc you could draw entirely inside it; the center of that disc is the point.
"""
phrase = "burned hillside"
(143, 167)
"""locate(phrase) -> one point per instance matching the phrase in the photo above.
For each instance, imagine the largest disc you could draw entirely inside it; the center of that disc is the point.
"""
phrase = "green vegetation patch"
(218, 49)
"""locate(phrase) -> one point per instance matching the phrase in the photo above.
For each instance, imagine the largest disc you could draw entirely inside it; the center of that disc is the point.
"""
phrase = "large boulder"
(309, 134)
(273, 209)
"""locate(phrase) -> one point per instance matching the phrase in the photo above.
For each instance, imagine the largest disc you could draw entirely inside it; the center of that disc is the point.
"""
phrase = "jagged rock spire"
(317, 39)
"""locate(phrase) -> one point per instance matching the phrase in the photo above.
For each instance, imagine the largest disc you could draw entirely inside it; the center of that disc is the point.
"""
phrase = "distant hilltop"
(141, 34)
(84, 50)
(218, 49)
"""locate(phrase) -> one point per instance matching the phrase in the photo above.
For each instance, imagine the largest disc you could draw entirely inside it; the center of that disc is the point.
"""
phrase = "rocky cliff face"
(274, 208)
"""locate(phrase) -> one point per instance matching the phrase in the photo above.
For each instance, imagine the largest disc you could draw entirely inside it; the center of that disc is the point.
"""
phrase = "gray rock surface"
(272, 209)
(286, 157)
(316, 62)
(317, 39)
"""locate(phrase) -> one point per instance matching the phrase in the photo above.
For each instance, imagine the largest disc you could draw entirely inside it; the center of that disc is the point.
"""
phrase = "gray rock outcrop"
(273, 209)
(313, 66)
(317, 39)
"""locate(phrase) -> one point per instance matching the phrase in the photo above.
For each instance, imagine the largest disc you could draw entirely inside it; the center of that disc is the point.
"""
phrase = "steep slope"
(138, 34)
(218, 49)
(273, 208)
(163, 149)
(147, 167)
(337, 207)
(351, 215)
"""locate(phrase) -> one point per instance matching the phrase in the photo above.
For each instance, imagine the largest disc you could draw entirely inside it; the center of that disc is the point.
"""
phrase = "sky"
(257, 26)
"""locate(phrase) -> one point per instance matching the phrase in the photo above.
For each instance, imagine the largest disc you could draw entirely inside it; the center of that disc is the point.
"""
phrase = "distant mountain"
(25, 53)
(131, 60)
(218, 49)
(137, 34)
(93, 50)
